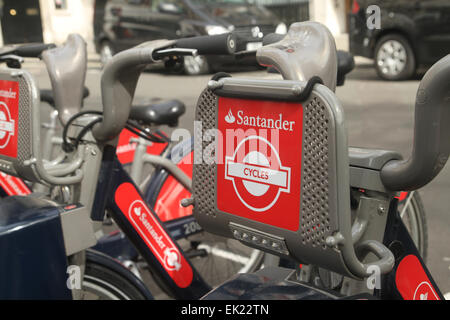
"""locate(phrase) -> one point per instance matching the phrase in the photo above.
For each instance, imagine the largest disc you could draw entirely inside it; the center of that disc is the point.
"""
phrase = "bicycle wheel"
(106, 279)
(413, 216)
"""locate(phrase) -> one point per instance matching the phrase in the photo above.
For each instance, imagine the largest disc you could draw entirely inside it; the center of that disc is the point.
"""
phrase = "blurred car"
(122, 24)
(413, 33)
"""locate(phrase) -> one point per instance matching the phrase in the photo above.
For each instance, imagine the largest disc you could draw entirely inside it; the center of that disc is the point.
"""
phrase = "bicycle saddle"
(307, 50)
(346, 64)
(160, 113)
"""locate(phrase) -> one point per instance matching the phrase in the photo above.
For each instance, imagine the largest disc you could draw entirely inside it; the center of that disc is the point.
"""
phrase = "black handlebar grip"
(272, 38)
(33, 50)
(222, 44)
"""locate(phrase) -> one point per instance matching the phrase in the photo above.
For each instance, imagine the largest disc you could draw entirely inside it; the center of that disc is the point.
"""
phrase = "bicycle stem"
(118, 84)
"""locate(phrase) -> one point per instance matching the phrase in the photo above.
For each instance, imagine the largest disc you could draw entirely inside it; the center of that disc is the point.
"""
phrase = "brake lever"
(174, 52)
(245, 53)
(12, 61)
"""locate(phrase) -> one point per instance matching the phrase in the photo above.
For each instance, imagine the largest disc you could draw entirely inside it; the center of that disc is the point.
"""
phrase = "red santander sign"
(259, 160)
(9, 116)
(153, 234)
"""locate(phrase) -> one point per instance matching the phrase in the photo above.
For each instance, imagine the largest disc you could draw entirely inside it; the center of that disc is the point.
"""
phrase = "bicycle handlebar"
(306, 51)
(222, 44)
(345, 60)
(121, 74)
(118, 84)
(431, 146)
(33, 50)
(272, 38)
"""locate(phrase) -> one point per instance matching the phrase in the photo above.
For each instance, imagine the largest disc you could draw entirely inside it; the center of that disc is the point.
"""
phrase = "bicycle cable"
(69, 146)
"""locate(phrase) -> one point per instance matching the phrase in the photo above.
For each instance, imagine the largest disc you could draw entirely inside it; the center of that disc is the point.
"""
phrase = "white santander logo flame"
(229, 117)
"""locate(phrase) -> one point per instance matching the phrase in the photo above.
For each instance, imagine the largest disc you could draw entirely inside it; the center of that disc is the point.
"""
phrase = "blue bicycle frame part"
(117, 193)
(32, 253)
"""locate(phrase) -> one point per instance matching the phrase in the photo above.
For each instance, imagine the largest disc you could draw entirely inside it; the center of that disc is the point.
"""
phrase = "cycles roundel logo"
(6, 125)
(9, 115)
(257, 182)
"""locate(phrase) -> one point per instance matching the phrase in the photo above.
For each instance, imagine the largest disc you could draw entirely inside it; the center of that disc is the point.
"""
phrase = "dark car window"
(155, 5)
(174, 6)
(246, 9)
(139, 2)
(205, 2)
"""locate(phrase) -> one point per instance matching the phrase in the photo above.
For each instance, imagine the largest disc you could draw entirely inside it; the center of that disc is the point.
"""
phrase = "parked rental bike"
(99, 183)
(70, 172)
(165, 189)
(167, 180)
(331, 208)
(167, 185)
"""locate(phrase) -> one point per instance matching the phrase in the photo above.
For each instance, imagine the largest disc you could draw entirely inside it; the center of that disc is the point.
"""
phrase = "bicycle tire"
(104, 281)
(414, 218)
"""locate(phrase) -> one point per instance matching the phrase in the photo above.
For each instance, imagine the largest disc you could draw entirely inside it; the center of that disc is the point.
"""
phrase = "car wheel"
(106, 52)
(196, 65)
(394, 58)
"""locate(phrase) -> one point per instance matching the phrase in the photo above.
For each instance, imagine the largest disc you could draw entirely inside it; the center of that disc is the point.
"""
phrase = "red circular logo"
(6, 125)
(257, 173)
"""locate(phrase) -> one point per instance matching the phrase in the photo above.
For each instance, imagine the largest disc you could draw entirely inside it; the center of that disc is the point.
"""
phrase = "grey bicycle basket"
(309, 219)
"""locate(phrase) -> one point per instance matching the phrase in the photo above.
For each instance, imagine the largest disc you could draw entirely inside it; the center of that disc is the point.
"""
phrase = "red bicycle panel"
(412, 282)
(9, 117)
(152, 233)
(13, 186)
(259, 160)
